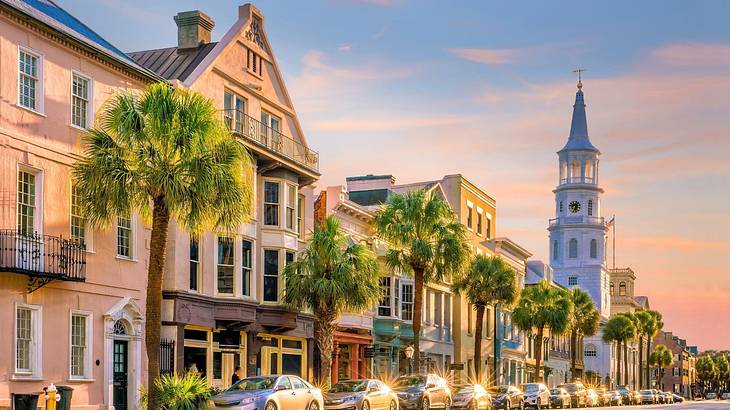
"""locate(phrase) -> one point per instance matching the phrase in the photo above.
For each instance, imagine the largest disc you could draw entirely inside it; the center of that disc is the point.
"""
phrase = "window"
(487, 322)
(572, 281)
(385, 294)
(246, 249)
(78, 222)
(573, 248)
(612, 289)
(590, 351)
(488, 234)
(124, 236)
(469, 211)
(27, 339)
(590, 207)
(300, 213)
(271, 121)
(594, 249)
(479, 223)
(447, 316)
(234, 109)
(271, 275)
(622, 289)
(194, 263)
(271, 203)
(396, 296)
(254, 63)
(30, 80)
(26, 202)
(555, 249)
(80, 345)
(675, 371)
(426, 305)
(469, 318)
(80, 96)
(291, 210)
(407, 303)
(561, 206)
(437, 306)
(225, 265)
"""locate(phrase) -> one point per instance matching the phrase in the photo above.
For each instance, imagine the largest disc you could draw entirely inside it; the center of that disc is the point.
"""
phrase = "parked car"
(471, 397)
(577, 393)
(648, 397)
(536, 395)
(507, 397)
(604, 396)
(616, 398)
(269, 393)
(592, 399)
(366, 394)
(678, 398)
(559, 398)
(710, 395)
(625, 393)
(668, 397)
(635, 397)
(422, 391)
(725, 396)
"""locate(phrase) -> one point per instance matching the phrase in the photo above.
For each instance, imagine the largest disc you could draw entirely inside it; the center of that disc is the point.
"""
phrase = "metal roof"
(578, 139)
(172, 63)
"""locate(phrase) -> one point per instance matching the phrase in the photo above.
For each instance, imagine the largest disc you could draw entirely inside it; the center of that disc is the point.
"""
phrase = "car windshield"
(530, 388)
(498, 390)
(410, 381)
(353, 386)
(622, 389)
(555, 391)
(253, 384)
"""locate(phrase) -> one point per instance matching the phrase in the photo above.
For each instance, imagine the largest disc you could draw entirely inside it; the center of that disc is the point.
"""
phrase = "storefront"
(214, 354)
(350, 361)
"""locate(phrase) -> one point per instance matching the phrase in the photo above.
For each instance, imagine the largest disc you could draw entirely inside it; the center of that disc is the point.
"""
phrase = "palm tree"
(706, 371)
(653, 329)
(163, 153)
(723, 371)
(584, 320)
(662, 358)
(542, 307)
(331, 277)
(424, 240)
(488, 281)
(645, 323)
(620, 329)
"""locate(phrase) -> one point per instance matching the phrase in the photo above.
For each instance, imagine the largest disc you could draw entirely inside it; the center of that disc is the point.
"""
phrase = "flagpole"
(614, 241)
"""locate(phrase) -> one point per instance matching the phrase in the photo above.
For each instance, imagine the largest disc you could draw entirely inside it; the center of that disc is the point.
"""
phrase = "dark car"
(507, 397)
(678, 398)
(422, 392)
(577, 393)
(626, 395)
(471, 397)
(559, 398)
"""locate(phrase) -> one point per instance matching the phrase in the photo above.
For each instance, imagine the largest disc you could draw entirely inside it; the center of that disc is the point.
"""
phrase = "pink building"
(71, 297)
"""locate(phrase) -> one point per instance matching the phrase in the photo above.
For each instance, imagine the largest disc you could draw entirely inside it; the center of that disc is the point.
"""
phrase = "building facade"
(71, 297)
(577, 245)
(677, 378)
(621, 289)
(222, 299)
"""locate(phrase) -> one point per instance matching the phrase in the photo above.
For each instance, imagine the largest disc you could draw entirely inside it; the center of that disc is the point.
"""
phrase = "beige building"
(223, 290)
(71, 297)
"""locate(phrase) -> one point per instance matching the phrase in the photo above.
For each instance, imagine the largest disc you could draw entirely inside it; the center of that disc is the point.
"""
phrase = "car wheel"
(314, 405)
(393, 405)
(425, 404)
(270, 406)
(365, 405)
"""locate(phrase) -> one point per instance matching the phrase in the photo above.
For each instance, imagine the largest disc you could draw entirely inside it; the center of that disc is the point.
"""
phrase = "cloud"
(693, 55)
(489, 56)
(389, 123)
(676, 244)
(345, 47)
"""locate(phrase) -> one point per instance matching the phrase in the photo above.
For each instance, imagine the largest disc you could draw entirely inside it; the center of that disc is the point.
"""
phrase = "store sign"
(456, 366)
(369, 351)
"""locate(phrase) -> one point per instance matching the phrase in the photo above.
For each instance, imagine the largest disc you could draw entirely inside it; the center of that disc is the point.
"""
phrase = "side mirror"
(372, 389)
(281, 387)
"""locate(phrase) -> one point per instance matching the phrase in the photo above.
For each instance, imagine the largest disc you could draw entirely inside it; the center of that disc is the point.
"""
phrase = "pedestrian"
(237, 374)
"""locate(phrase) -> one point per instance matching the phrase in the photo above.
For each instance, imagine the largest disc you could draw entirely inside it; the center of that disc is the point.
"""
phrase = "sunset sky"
(423, 89)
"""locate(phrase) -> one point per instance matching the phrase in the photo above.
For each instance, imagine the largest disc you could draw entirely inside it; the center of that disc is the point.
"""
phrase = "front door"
(120, 367)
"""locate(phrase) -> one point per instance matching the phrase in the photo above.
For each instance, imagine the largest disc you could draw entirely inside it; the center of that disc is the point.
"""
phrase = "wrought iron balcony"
(245, 126)
(577, 220)
(42, 257)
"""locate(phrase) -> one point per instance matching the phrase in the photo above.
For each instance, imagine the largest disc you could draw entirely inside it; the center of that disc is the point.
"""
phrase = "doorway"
(120, 375)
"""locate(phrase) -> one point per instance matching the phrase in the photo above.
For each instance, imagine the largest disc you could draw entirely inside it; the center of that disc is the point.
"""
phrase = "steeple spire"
(578, 138)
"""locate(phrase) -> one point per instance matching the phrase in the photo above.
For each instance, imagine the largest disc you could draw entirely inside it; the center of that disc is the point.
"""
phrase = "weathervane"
(579, 71)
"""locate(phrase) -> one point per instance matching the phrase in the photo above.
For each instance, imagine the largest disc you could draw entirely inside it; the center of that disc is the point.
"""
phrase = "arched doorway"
(123, 355)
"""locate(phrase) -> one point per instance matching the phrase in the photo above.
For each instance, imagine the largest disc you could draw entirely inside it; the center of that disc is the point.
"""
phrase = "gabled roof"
(50, 14)
(172, 63)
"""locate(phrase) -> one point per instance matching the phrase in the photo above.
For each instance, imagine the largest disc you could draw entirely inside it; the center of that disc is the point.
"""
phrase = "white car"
(537, 395)
(725, 396)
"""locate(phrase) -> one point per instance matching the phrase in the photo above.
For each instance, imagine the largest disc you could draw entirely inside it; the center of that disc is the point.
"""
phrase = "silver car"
(269, 393)
(366, 394)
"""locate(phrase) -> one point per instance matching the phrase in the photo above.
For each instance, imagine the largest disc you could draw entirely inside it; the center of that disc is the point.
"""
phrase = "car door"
(375, 395)
(302, 393)
(285, 394)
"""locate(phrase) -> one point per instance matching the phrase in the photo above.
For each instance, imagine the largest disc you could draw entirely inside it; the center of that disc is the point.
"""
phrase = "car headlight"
(247, 400)
(350, 399)
(333, 401)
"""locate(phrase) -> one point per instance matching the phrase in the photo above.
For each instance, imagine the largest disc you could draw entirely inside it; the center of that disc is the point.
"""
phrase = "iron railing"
(45, 256)
(577, 180)
(574, 220)
(243, 125)
(167, 357)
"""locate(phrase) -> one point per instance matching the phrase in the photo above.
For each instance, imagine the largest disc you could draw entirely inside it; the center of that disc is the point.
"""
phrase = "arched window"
(555, 249)
(573, 248)
(589, 171)
(612, 289)
(563, 170)
(590, 207)
(575, 173)
(594, 248)
(119, 328)
(590, 351)
(622, 289)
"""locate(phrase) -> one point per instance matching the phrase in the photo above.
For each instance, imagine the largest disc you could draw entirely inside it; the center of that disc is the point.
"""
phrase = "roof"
(52, 15)
(172, 63)
(369, 197)
(369, 177)
(578, 138)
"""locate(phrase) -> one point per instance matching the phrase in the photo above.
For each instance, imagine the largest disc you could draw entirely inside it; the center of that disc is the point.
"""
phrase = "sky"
(422, 89)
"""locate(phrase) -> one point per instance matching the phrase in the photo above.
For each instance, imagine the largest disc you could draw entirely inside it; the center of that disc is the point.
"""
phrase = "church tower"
(578, 232)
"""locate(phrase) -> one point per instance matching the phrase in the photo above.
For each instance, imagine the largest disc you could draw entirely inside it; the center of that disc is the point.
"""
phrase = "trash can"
(25, 401)
(66, 392)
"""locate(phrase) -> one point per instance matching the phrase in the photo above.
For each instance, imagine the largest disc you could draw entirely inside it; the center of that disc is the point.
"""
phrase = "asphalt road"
(687, 405)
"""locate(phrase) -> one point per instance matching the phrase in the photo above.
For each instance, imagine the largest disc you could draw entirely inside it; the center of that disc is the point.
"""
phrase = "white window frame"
(38, 188)
(36, 345)
(89, 351)
(480, 221)
(89, 99)
(389, 287)
(132, 238)
(403, 302)
(39, 89)
(264, 275)
(290, 203)
(88, 236)
(198, 264)
(277, 204)
(237, 121)
(251, 268)
(232, 266)
(469, 215)
(300, 215)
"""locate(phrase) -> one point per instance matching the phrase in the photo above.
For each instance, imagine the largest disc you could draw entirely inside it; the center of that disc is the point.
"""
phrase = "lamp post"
(409, 355)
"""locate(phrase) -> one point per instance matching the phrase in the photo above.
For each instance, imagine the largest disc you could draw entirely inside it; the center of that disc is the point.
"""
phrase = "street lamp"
(409, 355)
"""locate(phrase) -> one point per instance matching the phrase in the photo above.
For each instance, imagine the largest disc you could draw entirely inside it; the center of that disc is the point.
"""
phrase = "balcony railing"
(44, 257)
(577, 180)
(577, 220)
(245, 126)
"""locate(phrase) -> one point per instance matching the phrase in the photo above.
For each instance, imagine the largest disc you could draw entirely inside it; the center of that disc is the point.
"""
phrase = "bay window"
(271, 275)
(407, 301)
(271, 203)
(246, 249)
(225, 265)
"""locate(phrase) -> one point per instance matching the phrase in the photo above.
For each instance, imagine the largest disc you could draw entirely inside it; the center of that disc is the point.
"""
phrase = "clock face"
(574, 206)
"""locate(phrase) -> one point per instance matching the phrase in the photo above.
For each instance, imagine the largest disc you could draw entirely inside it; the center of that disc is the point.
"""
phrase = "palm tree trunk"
(573, 346)
(324, 330)
(626, 363)
(618, 362)
(478, 343)
(641, 354)
(153, 320)
(648, 367)
(417, 310)
(538, 354)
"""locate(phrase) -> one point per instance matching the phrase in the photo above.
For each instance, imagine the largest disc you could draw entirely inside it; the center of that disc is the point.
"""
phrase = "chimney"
(193, 28)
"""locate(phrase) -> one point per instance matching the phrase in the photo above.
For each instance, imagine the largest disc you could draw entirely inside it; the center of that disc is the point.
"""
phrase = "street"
(687, 405)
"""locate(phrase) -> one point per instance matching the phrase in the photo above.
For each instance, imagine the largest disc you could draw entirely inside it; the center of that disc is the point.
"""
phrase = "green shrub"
(187, 392)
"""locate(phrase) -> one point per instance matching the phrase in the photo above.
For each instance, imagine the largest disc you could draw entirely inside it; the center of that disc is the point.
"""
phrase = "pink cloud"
(489, 56)
(388, 123)
(694, 54)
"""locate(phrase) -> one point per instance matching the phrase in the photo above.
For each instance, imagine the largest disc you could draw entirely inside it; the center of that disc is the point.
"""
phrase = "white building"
(578, 233)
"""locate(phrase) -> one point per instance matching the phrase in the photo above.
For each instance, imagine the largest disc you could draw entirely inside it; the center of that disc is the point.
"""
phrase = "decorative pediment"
(253, 33)
(124, 319)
